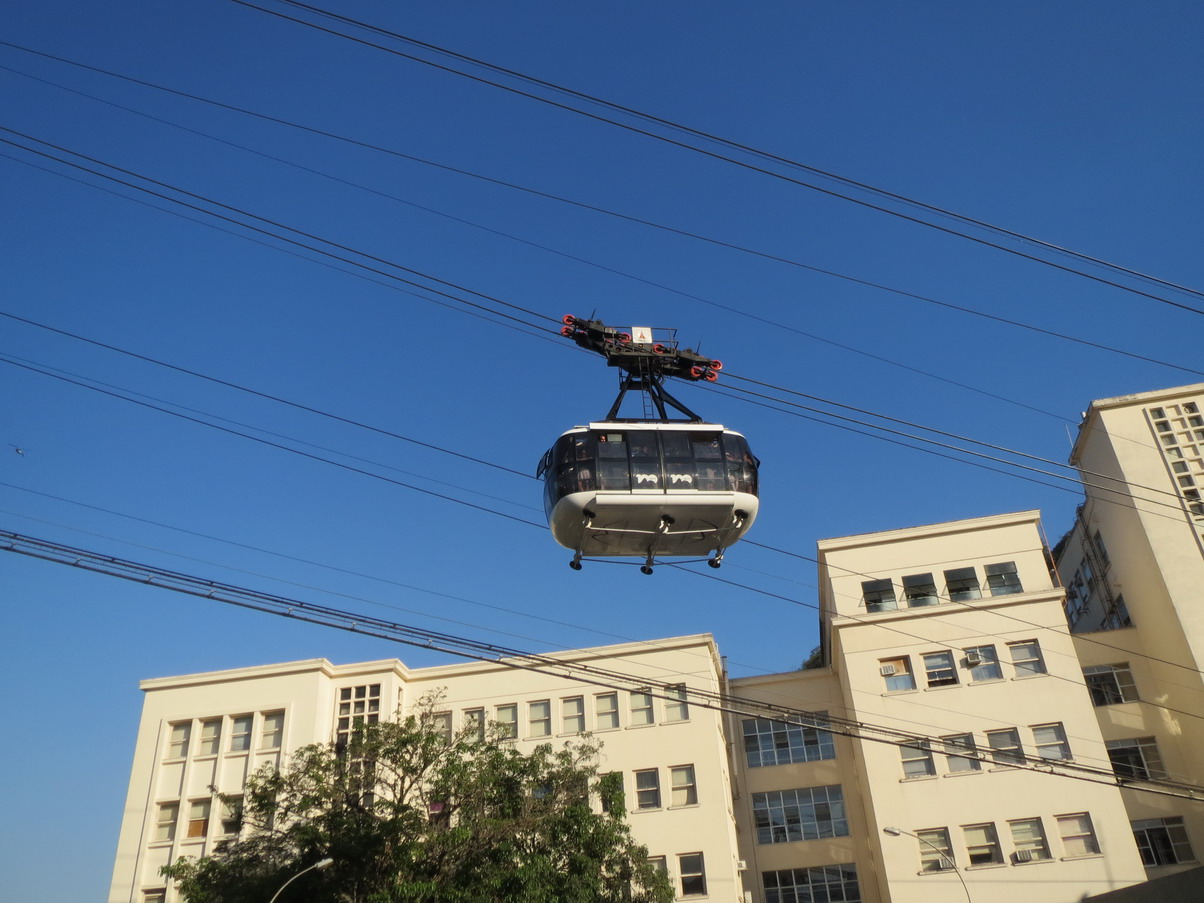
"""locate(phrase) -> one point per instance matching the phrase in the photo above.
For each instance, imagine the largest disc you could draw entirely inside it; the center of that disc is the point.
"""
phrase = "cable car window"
(679, 461)
(645, 460)
(741, 465)
(613, 472)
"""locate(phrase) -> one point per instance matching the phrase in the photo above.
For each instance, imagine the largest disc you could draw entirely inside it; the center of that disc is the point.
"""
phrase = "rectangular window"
(1028, 839)
(240, 733)
(982, 844)
(154, 896)
(606, 707)
(271, 734)
(539, 718)
(897, 673)
(211, 738)
(441, 725)
(198, 818)
(939, 669)
(825, 882)
(1026, 658)
(779, 743)
(507, 719)
(177, 744)
(917, 759)
(356, 707)
(165, 822)
(936, 852)
(1136, 758)
(1101, 549)
(474, 723)
(572, 712)
(692, 874)
(1002, 579)
(683, 791)
(962, 584)
(808, 813)
(960, 752)
(1005, 746)
(1050, 741)
(648, 789)
(641, 708)
(879, 595)
(1078, 834)
(920, 590)
(983, 663)
(231, 816)
(676, 708)
(659, 864)
(1162, 841)
(1111, 684)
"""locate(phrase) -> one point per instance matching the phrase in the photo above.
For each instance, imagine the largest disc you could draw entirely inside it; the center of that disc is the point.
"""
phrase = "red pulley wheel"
(658, 349)
(716, 366)
(696, 373)
(568, 319)
(711, 376)
(566, 330)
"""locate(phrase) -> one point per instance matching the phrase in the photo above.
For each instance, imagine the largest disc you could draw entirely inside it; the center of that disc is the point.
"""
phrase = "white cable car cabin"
(649, 489)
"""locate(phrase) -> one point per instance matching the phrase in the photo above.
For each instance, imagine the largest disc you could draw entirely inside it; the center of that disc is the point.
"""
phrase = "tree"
(408, 813)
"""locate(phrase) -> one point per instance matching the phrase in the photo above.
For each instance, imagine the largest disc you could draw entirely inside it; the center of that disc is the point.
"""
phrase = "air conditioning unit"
(973, 658)
(741, 865)
(1023, 856)
(887, 670)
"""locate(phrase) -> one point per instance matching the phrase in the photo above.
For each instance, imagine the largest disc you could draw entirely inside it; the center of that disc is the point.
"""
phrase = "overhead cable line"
(734, 160)
(617, 215)
(551, 665)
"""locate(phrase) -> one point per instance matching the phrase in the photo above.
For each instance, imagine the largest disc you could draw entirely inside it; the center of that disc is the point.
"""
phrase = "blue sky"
(1078, 126)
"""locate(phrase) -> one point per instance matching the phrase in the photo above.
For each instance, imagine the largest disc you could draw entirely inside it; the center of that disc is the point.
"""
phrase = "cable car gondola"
(648, 488)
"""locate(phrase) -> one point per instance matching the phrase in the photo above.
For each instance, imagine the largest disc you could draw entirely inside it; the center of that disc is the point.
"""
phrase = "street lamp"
(316, 867)
(895, 832)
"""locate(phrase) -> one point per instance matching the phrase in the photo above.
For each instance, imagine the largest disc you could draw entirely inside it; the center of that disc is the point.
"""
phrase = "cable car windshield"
(648, 462)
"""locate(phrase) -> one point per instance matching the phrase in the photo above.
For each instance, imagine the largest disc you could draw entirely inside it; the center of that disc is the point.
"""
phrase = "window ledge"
(1037, 861)
(899, 692)
(989, 865)
(961, 774)
(1084, 856)
(919, 777)
(987, 682)
(683, 806)
(941, 687)
(637, 727)
(1028, 676)
(1005, 768)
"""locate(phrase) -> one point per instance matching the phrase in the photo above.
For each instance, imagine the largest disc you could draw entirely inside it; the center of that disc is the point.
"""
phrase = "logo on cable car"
(641, 335)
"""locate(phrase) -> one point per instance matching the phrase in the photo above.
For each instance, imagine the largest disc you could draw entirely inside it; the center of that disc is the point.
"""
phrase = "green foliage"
(408, 815)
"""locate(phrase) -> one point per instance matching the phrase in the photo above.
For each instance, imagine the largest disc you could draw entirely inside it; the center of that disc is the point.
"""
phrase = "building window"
(879, 595)
(897, 673)
(1050, 741)
(1028, 839)
(198, 818)
(920, 590)
(572, 711)
(939, 669)
(692, 874)
(648, 789)
(808, 813)
(474, 723)
(539, 718)
(211, 738)
(825, 882)
(1136, 758)
(659, 864)
(356, 707)
(962, 584)
(779, 743)
(982, 844)
(983, 663)
(1026, 658)
(1117, 615)
(939, 859)
(606, 706)
(1101, 549)
(271, 734)
(1005, 746)
(165, 822)
(1002, 579)
(441, 726)
(676, 708)
(1111, 684)
(177, 744)
(917, 759)
(1078, 834)
(641, 708)
(961, 753)
(231, 822)
(1162, 841)
(683, 791)
(240, 733)
(507, 719)
(154, 896)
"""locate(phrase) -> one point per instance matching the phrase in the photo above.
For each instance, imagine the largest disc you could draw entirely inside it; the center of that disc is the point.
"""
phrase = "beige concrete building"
(976, 732)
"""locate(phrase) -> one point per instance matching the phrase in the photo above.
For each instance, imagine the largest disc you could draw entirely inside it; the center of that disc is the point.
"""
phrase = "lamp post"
(317, 866)
(895, 832)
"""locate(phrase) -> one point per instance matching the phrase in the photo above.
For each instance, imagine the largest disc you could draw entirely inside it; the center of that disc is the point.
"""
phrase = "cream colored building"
(962, 742)
(1133, 566)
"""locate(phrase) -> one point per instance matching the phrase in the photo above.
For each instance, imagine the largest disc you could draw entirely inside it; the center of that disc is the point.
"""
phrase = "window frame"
(962, 584)
(241, 728)
(572, 722)
(683, 781)
(956, 763)
(904, 675)
(1037, 843)
(693, 878)
(677, 708)
(919, 590)
(1111, 684)
(506, 718)
(610, 714)
(768, 742)
(1068, 837)
(1143, 748)
(940, 859)
(947, 667)
(648, 796)
(199, 814)
(988, 669)
(271, 730)
(921, 752)
(1175, 841)
(539, 718)
(1009, 755)
(167, 820)
(1003, 579)
(798, 814)
(878, 596)
(179, 739)
(990, 844)
(642, 709)
(1027, 667)
(210, 741)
